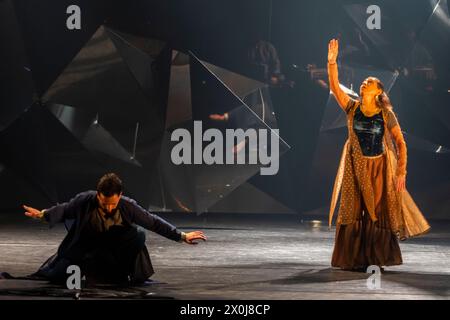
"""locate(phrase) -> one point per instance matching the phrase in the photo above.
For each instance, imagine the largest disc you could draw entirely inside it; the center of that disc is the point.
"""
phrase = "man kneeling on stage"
(104, 239)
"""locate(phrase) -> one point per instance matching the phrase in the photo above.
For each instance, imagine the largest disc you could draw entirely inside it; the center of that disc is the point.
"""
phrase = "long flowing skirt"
(366, 242)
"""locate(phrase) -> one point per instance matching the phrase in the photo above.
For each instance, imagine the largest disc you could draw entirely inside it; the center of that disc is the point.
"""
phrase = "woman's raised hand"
(333, 49)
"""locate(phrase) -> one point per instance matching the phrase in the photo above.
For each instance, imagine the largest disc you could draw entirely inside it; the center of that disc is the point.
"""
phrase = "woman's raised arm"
(341, 97)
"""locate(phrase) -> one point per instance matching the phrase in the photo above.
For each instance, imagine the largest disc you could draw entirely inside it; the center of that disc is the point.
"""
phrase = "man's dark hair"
(109, 185)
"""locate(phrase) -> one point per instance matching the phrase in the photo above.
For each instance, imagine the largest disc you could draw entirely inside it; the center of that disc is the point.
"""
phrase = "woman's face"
(369, 87)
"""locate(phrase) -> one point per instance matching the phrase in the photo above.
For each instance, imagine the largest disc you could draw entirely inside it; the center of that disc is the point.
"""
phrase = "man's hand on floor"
(195, 235)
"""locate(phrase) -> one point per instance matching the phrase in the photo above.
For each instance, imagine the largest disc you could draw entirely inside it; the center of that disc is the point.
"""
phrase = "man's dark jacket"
(77, 211)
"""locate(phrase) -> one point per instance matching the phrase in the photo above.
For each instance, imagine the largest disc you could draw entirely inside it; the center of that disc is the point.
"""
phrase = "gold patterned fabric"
(354, 184)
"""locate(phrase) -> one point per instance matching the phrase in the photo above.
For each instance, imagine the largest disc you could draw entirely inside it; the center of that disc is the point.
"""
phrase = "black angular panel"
(102, 81)
(398, 20)
(91, 134)
(49, 44)
(249, 199)
(25, 150)
(16, 84)
(199, 186)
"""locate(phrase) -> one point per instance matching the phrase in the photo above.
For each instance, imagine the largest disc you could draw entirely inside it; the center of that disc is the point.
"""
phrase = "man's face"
(108, 204)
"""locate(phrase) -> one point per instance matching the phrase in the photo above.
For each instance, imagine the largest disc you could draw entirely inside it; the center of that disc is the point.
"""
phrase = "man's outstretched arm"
(191, 237)
(57, 213)
(154, 223)
(52, 215)
(33, 212)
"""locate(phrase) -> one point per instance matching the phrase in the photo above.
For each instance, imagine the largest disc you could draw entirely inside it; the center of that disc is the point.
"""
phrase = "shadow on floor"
(29, 289)
(437, 284)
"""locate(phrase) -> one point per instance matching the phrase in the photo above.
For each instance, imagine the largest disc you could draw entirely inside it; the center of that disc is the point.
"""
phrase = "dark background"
(119, 70)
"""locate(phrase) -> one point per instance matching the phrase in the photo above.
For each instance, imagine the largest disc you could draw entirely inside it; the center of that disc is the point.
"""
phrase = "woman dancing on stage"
(375, 209)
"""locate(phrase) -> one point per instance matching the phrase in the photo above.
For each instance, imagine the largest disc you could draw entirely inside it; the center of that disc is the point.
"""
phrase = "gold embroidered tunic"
(355, 185)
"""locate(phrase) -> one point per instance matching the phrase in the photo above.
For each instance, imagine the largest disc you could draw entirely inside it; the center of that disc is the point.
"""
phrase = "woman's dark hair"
(383, 100)
(109, 185)
(380, 85)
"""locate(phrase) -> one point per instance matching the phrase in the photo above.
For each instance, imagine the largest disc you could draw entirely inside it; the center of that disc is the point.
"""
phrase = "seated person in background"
(262, 54)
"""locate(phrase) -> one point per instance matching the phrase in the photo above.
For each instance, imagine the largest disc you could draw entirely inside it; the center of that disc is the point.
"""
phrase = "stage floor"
(252, 258)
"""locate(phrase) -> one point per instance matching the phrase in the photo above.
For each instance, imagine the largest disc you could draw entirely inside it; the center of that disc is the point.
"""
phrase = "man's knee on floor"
(140, 236)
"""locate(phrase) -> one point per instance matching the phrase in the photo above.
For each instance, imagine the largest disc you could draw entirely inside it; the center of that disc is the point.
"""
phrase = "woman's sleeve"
(344, 101)
(400, 143)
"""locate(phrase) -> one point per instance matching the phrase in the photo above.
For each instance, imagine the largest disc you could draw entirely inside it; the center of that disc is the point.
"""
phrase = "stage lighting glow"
(315, 223)
(441, 13)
